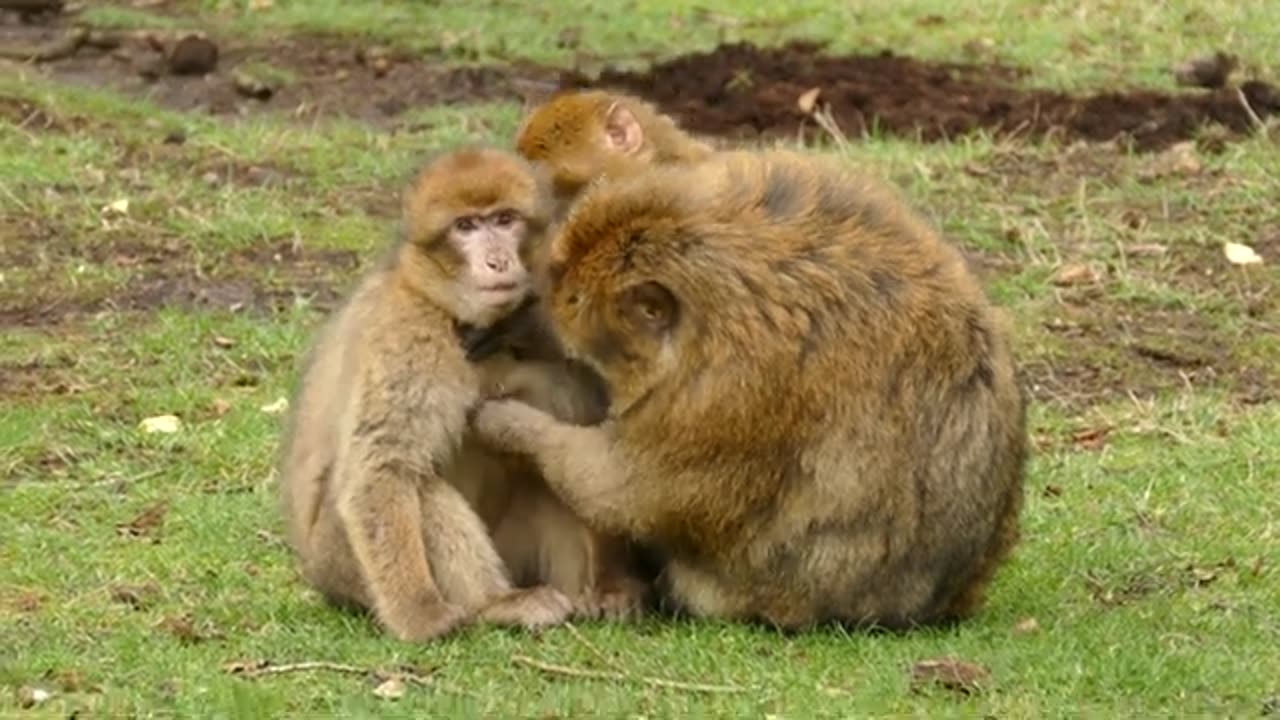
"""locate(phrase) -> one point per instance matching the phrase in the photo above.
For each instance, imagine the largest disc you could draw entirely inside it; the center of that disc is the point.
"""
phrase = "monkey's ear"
(622, 130)
(651, 306)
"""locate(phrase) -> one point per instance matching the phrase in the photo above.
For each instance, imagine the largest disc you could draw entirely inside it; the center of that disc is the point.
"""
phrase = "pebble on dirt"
(193, 55)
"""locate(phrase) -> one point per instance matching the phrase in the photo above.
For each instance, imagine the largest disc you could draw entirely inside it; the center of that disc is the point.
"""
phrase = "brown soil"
(166, 273)
(1103, 349)
(743, 90)
(737, 90)
(317, 77)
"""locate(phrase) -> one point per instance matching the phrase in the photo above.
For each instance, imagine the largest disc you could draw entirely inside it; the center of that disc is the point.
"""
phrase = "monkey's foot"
(531, 608)
(623, 600)
(424, 621)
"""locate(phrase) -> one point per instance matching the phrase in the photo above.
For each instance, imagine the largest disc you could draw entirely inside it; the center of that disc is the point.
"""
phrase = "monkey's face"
(489, 253)
(625, 333)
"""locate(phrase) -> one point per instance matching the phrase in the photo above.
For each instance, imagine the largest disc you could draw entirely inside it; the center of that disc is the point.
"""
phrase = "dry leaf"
(145, 522)
(1091, 438)
(29, 697)
(220, 407)
(1146, 249)
(29, 601)
(161, 424)
(808, 100)
(261, 4)
(184, 628)
(137, 597)
(223, 342)
(1027, 626)
(950, 673)
(276, 407)
(1179, 159)
(1074, 274)
(117, 208)
(1238, 254)
(390, 689)
(1203, 576)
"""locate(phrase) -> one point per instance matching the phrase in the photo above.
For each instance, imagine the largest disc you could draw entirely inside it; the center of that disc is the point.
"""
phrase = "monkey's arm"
(391, 491)
(565, 390)
(579, 463)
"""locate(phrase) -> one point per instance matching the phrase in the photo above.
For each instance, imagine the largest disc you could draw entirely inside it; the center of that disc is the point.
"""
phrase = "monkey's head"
(616, 291)
(581, 135)
(473, 219)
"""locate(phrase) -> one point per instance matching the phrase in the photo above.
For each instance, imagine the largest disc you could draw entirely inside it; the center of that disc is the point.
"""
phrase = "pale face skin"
(495, 278)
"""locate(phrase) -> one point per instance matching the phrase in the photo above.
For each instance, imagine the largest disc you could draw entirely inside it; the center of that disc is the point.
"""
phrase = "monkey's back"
(841, 371)
(310, 441)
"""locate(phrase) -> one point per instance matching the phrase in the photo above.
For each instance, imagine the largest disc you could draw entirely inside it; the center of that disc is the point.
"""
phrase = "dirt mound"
(741, 90)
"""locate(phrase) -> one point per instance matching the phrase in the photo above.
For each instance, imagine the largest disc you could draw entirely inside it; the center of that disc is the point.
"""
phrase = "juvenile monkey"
(814, 412)
(580, 136)
(390, 503)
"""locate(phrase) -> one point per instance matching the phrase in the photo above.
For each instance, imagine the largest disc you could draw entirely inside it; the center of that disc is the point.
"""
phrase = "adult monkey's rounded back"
(814, 406)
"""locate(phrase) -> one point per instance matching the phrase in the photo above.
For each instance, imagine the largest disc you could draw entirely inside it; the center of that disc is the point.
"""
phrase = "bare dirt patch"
(736, 90)
(303, 76)
(164, 272)
(744, 90)
(1110, 351)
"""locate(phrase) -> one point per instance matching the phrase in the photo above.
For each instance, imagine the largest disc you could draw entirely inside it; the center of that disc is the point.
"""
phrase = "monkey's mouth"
(499, 288)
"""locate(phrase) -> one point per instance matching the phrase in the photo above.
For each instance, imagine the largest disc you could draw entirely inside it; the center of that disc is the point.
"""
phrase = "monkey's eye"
(464, 224)
(505, 218)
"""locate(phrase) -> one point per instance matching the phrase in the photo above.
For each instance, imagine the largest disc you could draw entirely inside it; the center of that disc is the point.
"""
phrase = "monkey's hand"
(510, 425)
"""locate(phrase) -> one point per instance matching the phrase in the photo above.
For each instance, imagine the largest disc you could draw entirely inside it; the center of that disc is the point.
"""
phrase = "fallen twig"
(565, 670)
(576, 633)
(259, 668)
(262, 668)
(1253, 116)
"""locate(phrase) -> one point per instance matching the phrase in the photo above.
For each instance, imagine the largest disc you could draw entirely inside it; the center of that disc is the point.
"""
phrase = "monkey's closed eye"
(652, 306)
(505, 218)
(465, 224)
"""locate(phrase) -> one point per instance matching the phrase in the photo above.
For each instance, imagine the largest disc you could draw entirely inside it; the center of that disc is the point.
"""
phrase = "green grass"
(1149, 563)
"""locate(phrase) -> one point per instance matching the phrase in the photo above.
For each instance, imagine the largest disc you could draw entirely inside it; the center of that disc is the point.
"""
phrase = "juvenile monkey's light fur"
(391, 504)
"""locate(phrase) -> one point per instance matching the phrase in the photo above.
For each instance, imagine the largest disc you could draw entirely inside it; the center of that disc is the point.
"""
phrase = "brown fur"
(814, 410)
(569, 135)
(390, 504)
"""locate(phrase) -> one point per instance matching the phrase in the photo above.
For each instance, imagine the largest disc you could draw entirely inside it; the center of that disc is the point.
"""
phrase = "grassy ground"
(135, 567)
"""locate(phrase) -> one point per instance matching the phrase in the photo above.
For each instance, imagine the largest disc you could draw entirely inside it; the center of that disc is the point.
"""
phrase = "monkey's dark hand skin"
(510, 425)
(814, 412)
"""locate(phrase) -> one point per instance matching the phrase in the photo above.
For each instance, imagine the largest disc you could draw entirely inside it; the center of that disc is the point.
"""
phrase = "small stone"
(193, 55)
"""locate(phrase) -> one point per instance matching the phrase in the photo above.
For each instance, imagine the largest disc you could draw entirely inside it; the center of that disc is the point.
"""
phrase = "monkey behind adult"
(814, 410)
(582, 136)
(391, 504)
